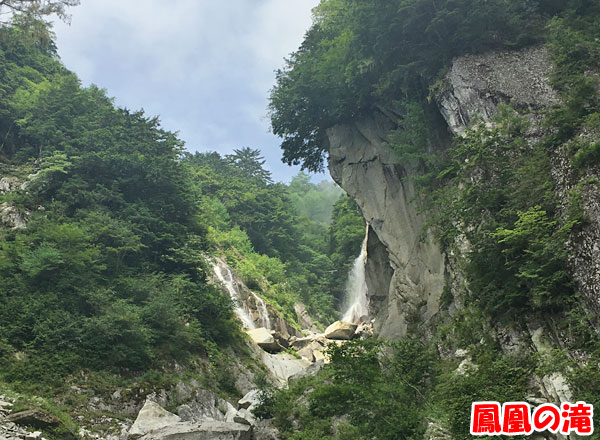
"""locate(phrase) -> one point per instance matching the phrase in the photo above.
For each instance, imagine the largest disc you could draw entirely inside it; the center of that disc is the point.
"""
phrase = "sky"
(205, 67)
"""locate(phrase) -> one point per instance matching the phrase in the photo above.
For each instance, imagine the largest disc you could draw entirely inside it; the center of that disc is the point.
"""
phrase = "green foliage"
(379, 387)
(38, 9)
(289, 243)
(390, 390)
(108, 274)
(574, 43)
(497, 188)
(274, 248)
(498, 378)
(313, 201)
(492, 188)
(361, 55)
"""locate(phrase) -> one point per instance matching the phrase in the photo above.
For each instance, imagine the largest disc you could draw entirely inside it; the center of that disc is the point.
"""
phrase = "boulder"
(34, 417)
(250, 400)
(304, 318)
(182, 392)
(313, 351)
(244, 417)
(152, 417)
(264, 339)
(299, 343)
(209, 430)
(307, 353)
(320, 356)
(231, 412)
(283, 365)
(280, 339)
(341, 330)
(203, 405)
(309, 371)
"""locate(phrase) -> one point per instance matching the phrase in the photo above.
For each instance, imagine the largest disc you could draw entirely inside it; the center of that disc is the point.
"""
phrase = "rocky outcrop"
(8, 184)
(152, 417)
(411, 269)
(154, 422)
(209, 430)
(340, 330)
(476, 84)
(303, 318)
(19, 428)
(473, 89)
(264, 339)
(406, 269)
(584, 242)
(12, 217)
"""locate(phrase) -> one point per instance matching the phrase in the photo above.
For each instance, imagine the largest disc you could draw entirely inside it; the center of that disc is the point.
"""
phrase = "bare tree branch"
(39, 8)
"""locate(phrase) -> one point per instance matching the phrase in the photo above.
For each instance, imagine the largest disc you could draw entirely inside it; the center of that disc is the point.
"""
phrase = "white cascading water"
(241, 307)
(226, 277)
(263, 313)
(357, 300)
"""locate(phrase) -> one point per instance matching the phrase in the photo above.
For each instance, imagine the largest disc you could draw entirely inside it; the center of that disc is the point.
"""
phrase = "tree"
(251, 163)
(39, 8)
(361, 56)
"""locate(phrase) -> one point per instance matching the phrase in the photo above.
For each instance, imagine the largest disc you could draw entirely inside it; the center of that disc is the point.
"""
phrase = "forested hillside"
(277, 236)
(108, 226)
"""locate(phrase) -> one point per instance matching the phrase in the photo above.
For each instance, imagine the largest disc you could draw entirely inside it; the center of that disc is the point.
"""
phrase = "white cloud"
(204, 66)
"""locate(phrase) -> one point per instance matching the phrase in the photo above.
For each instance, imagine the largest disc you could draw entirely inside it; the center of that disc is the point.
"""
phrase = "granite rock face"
(473, 89)
(406, 269)
(407, 278)
(477, 84)
(155, 423)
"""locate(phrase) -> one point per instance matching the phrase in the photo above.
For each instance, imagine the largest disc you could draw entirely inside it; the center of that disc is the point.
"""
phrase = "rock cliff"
(407, 270)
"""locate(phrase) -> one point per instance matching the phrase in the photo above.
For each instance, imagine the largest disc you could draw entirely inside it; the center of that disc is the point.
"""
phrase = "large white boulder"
(208, 430)
(264, 339)
(151, 417)
(341, 330)
(283, 365)
(250, 400)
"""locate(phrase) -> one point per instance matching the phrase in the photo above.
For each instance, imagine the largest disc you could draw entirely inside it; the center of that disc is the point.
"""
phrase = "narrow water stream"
(225, 275)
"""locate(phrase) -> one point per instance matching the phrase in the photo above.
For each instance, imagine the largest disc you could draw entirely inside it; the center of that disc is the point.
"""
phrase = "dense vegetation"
(275, 235)
(359, 55)
(391, 390)
(110, 272)
(107, 274)
(492, 188)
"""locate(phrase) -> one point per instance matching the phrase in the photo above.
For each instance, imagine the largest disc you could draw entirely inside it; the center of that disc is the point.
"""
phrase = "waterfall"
(357, 301)
(225, 275)
(249, 307)
(263, 313)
